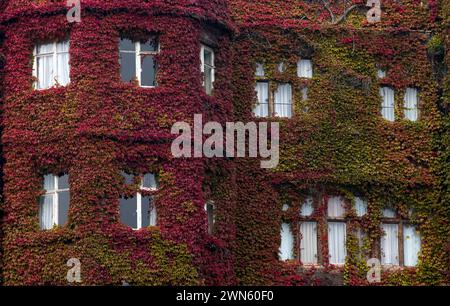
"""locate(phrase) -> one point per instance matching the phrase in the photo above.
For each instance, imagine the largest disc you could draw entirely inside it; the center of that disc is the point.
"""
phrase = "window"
(389, 245)
(337, 231)
(399, 235)
(262, 108)
(388, 103)
(54, 205)
(208, 68)
(283, 101)
(360, 207)
(381, 73)
(304, 69)
(51, 64)
(308, 233)
(259, 70)
(411, 246)
(138, 61)
(282, 67)
(139, 210)
(411, 104)
(287, 243)
(210, 214)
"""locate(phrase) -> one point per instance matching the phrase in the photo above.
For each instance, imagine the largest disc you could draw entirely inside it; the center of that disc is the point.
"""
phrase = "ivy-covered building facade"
(88, 174)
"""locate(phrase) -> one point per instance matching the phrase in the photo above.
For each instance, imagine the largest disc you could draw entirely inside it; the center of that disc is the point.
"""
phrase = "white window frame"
(203, 48)
(137, 55)
(54, 55)
(54, 193)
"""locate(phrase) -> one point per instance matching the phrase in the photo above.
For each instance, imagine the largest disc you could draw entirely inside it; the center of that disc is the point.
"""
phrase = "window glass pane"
(287, 243)
(208, 58)
(304, 69)
(150, 46)
(45, 72)
(128, 178)
(63, 182)
(63, 207)
(45, 48)
(128, 212)
(62, 69)
(308, 242)
(148, 212)
(208, 80)
(389, 245)
(262, 108)
(307, 207)
(381, 73)
(148, 71)
(305, 91)
(62, 46)
(127, 66)
(411, 104)
(412, 245)
(46, 212)
(360, 207)
(388, 103)
(49, 182)
(149, 181)
(388, 213)
(283, 101)
(259, 70)
(210, 215)
(337, 234)
(336, 208)
(126, 45)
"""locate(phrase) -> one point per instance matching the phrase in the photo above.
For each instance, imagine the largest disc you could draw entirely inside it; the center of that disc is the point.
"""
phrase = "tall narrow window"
(304, 68)
(259, 70)
(412, 242)
(262, 108)
(210, 214)
(54, 205)
(308, 242)
(208, 68)
(411, 104)
(388, 103)
(389, 245)
(51, 64)
(139, 211)
(287, 243)
(138, 61)
(283, 101)
(337, 231)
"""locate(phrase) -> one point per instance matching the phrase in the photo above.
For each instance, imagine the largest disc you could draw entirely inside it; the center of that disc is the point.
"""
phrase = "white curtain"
(336, 207)
(360, 207)
(307, 207)
(410, 106)
(411, 245)
(337, 235)
(389, 245)
(287, 242)
(153, 213)
(44, 62)
(388, 103)
(259, 70)
(305, 91)
(262, 90)
(304, 69)
(283, 101)
(49, 182)
(62, 62)
(46, 212)
(308, 243)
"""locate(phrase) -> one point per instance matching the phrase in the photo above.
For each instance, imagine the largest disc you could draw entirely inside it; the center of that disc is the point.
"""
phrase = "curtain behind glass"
(46, 212)
(287, 242)
(411, 105)
(308, 243)
(262, 108)
(389, 245)
(412, 244)
(283, 101)
(388, 103)
(337, 234)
